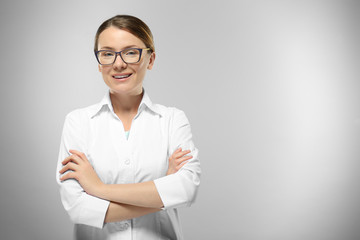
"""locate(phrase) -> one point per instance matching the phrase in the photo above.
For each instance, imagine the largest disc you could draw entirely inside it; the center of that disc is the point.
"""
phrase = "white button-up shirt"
(156, 132)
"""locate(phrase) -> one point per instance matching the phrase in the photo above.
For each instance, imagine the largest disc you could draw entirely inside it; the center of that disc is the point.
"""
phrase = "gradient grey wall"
(271, 89)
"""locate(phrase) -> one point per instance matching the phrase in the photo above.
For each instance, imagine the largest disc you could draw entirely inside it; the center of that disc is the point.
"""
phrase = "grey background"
(271, 89)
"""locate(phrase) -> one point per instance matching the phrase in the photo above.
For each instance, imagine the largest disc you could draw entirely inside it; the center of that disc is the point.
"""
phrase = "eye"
(107, 54)
(131, 52)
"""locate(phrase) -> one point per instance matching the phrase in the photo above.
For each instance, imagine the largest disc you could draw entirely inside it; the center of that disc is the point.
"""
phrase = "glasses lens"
(106, 57)
(131, 55)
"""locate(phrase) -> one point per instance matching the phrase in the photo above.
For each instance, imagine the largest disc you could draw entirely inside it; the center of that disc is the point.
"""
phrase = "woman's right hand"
(177, 160)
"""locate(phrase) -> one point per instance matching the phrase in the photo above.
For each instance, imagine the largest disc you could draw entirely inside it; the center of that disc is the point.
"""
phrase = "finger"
(174, 154)
(70, 175)
(179, 153)
(180, 160)
(70, 166)
(176, 151)
(78, 153)
(181, 165)
(182, 153)
(72, 158)
(66, 160)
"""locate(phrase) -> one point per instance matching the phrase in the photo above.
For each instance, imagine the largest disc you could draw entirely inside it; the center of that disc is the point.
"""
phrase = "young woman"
(126, 164)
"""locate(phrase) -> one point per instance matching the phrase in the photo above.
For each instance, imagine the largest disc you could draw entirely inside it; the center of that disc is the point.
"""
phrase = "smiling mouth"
(122, 76)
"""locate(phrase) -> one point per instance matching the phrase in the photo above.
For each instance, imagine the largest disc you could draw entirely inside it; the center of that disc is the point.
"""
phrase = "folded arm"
(120, 212)
(89, 201)
(142, 194)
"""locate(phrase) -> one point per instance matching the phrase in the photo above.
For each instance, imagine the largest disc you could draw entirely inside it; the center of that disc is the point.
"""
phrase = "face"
(117, 40)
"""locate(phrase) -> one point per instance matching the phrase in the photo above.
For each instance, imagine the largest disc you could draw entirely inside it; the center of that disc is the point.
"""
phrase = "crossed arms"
(89, 201)
(126, 200)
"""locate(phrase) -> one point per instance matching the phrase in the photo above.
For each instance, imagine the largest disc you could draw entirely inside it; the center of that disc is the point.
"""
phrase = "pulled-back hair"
(131, 24)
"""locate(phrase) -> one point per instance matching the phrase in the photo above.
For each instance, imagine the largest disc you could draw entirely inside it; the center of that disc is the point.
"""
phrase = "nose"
(119, 63)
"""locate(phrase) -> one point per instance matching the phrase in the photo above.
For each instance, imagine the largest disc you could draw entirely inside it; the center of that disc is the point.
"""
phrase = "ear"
(151, 61)
(99, 66)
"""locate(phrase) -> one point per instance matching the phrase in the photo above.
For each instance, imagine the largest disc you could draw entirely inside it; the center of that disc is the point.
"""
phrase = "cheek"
(104, 69)
(142, 67)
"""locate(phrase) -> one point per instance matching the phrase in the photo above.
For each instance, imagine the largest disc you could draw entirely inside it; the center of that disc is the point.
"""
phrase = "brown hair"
(130, 23)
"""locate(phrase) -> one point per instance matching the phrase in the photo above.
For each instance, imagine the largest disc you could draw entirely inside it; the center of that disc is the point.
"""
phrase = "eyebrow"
(113, 49)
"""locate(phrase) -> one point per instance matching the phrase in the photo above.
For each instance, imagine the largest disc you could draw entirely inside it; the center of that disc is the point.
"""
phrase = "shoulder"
(173, 115)
(169, 112)
(82, 115)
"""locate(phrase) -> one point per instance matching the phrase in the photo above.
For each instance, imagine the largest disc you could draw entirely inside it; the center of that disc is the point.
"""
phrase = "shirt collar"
(145, 102)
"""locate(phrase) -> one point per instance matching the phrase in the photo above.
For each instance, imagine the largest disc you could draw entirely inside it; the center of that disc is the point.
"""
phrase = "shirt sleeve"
(81, 207)
(180, 189)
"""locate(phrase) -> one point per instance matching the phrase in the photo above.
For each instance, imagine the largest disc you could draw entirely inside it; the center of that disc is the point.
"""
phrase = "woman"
(126, 164)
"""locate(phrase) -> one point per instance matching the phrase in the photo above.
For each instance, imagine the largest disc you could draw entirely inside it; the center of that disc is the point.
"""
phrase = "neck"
(123, 103)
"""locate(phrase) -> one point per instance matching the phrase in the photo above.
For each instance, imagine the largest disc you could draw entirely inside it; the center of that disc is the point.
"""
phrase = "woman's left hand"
(82, 171)
(177, 160)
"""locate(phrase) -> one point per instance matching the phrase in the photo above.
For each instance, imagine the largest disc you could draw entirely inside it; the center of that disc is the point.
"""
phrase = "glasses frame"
(119, 53)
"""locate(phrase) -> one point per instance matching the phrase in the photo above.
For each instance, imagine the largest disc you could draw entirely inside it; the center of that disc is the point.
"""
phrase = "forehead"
(116, 38)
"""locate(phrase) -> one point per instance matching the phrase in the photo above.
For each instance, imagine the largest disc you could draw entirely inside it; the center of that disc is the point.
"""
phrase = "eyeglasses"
(129, 55)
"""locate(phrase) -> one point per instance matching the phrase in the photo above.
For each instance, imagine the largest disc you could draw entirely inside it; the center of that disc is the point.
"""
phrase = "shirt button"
(127, 161)
(123, 226)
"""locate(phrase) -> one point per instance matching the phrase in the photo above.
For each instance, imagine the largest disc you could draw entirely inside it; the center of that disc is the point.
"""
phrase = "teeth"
(122, 76)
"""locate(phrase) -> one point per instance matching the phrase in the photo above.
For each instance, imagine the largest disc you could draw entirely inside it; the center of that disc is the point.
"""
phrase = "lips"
(121, 77)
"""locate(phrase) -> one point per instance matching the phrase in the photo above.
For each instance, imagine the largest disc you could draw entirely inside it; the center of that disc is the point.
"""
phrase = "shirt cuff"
(171, 191)
(93, 211)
